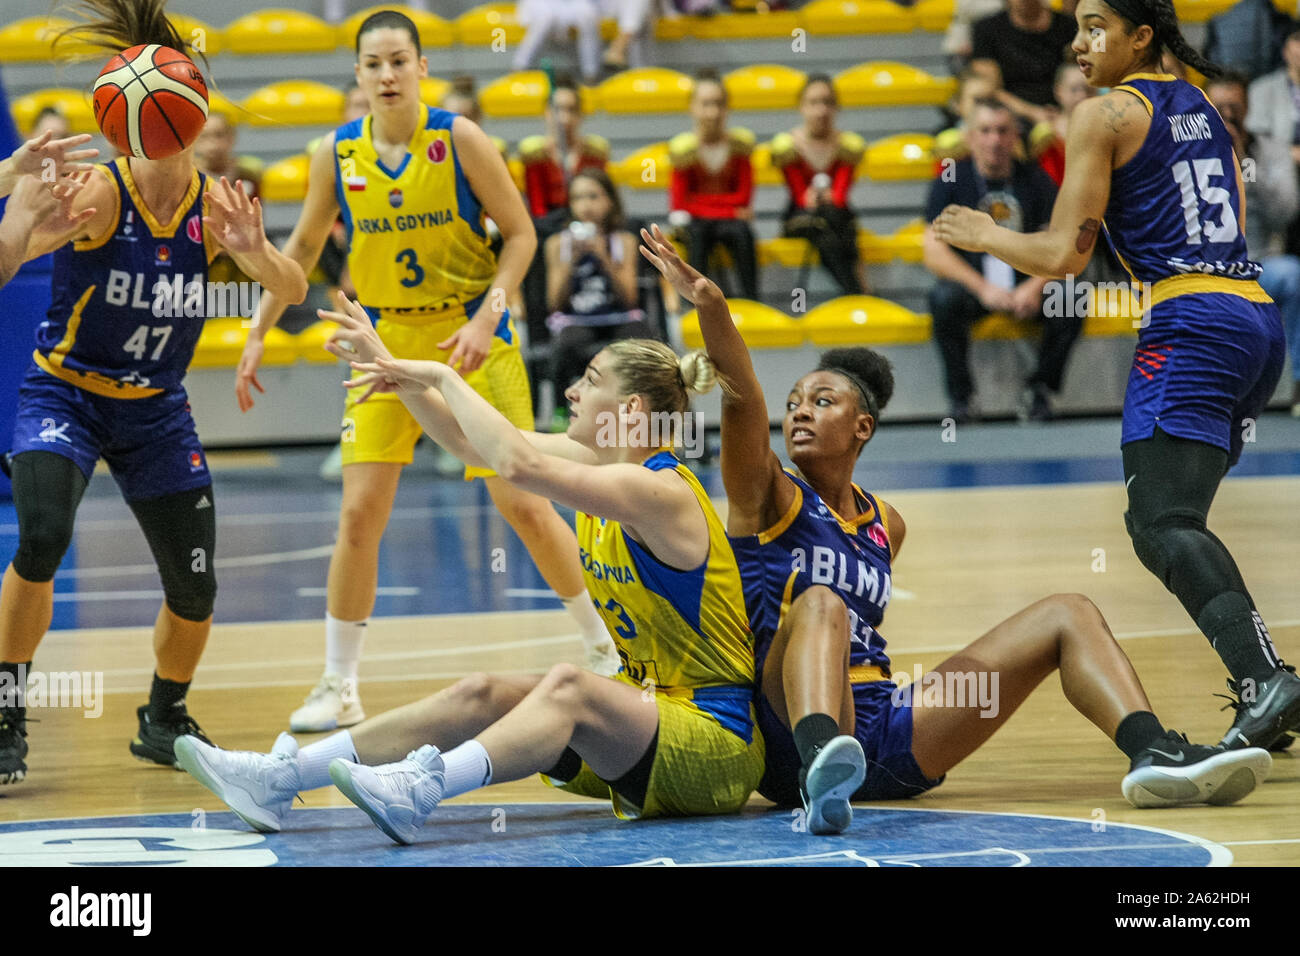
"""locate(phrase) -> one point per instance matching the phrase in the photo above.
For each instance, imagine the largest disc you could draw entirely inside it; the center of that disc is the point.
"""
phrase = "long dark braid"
(1168, 34)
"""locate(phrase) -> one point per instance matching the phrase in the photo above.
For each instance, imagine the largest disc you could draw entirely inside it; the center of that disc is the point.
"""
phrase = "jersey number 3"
(1223, 231)
(414, 273)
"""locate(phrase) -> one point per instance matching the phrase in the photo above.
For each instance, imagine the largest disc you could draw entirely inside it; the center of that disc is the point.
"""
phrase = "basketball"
(150, 101)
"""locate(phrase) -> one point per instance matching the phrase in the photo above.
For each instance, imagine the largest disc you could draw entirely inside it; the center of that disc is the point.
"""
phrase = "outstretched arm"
(751, 473)
(46, 158)
(38, 212)
(1066, 245)
(236, 221)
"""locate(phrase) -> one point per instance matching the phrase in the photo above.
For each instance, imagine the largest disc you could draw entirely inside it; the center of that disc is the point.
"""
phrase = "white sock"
(594, 632)
(314, 759)
(467, 768)
(343, 640)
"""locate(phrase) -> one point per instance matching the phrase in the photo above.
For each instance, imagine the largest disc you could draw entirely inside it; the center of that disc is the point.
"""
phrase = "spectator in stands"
(1027, 42)
(544, 19)
(1274, 110)
(1272, 200)
(1047, 139)
(1018, 196)
(977, 81)
(550, 162)
(591, 283)
(636, 20)
(712, 192)
(1246, 38)
(957, 45)
(819, 163)
(462, 99)
(214, 154)
(51, 118)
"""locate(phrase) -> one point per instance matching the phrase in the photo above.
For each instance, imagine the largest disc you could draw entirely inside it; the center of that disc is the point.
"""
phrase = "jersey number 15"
(1225, 230)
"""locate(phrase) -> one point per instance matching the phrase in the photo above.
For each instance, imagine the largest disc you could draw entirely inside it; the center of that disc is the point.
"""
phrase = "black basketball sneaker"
(1172, 772)
(156, 740)
(13, 744)
(1267, 716)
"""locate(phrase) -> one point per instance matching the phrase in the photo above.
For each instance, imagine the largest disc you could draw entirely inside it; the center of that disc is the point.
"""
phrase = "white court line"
(240, 561)
(530, 592)
(379, 592)
(109, 596)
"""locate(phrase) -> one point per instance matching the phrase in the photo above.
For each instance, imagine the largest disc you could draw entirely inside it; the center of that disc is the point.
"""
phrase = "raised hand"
(234, 219)
(690, 284)
(51, 208)
(51, 159)
(396, 375)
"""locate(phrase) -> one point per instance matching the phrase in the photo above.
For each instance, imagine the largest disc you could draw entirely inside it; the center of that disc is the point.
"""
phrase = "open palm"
(234, 219)
(689, 283)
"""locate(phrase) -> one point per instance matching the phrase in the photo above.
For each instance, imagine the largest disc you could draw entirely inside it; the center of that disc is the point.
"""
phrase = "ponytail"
(1161, 17)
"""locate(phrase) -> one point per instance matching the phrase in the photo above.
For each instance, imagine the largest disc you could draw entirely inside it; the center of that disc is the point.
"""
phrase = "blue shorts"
(885, 732)
(1204, 364)
(150, 444)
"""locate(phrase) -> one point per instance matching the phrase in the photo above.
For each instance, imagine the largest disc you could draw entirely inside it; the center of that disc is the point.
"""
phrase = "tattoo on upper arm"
(1116, 112)
(1087, 235)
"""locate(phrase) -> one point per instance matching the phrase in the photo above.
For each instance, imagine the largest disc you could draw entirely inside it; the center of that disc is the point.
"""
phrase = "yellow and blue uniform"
(420, 259)
(125, 316)
(810, 545)
(682, 635)
(1212, 349)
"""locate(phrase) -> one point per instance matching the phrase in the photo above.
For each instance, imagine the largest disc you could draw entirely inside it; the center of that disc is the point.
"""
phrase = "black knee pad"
(1168, 540)
(47, 489)
(181, 530)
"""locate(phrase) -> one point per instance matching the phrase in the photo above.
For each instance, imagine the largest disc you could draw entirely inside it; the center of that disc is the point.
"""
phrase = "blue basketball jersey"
(1174, 207)
(812, 545)
(128, 306)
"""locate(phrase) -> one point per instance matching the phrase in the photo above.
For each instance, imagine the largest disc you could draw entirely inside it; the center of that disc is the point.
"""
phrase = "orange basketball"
(151, 101)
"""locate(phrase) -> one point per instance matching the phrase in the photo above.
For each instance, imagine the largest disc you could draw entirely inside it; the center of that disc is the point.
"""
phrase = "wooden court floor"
(972, 557)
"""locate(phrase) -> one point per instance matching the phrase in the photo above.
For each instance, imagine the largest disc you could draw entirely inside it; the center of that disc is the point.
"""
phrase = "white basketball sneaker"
(398, 797)
(259, 787)
(333, 703)
(830, 781)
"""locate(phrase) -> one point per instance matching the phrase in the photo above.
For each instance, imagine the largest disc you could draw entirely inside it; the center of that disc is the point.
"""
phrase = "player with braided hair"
(815, 553)
(1152, 165)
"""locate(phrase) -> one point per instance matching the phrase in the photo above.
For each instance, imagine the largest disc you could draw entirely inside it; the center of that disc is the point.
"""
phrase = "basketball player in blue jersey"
(672, 734)
(1152, 164)
(815, 552)
(413, 185)
(105, 381)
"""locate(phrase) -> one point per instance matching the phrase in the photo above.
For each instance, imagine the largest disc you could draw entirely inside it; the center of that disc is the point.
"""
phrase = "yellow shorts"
(699, 768)
(382, 430)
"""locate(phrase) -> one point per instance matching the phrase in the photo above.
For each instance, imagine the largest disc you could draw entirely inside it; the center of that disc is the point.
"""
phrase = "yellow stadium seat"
(1001, 325)
(1198, 11)
(516, 167)
(488, 24)
(934, 15)
(434, 30)
(294, 103)
(761, 326)
(74, 104)
(279, 31)
(286, 181)
(672, 28)
(310, 343)
(905, 156)
(765, 174)
(907, 241)
(1288, 7)
(851, 17)
(433, 89)
(891, 84)
(649, 90)
(516, 94)
(745, 26)
(32, 40)
(791, 253)
(648, 168)
(865, 320)
(765, 86)
(222, 342)
(202, 37)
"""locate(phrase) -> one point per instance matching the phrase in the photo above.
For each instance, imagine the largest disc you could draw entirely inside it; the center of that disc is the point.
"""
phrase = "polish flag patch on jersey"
(355, 184)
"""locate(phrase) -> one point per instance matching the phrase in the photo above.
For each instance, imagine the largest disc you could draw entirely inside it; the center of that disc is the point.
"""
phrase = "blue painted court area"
(587, 835)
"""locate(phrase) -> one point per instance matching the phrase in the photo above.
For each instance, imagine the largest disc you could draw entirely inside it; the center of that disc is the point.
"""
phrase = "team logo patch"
(162, 255)
(196, 461)
(877, 534)
(395, 198)
(437, 151)
(194, 228)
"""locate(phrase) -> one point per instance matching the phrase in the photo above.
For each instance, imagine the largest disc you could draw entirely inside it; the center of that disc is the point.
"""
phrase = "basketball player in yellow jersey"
(413, 184)
(673, 734)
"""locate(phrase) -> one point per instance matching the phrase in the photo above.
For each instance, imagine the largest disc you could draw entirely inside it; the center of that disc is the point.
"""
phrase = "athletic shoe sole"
(147, 753)
(13, 776)
(835, 775)
(320, 726)
(192, 760)
(1219, 780)
(400, 831)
